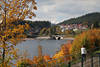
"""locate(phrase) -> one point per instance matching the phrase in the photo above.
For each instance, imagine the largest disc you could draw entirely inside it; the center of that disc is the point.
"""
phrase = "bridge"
(57, 37)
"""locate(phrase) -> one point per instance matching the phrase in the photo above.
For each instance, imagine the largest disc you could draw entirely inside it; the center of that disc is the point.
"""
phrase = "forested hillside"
(85, 19)
(35, 27)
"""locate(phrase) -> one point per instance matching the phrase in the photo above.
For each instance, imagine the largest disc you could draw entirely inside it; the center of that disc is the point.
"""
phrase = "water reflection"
(30, 47)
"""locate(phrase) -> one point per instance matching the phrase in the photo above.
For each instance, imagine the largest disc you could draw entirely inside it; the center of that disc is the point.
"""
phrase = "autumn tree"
(10, 34)
(90, 39)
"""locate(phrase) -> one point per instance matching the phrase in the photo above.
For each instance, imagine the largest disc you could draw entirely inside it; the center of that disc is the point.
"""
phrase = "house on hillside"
(73, 27)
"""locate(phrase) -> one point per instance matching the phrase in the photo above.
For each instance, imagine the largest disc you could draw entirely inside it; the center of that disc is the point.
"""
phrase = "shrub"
(24, 63)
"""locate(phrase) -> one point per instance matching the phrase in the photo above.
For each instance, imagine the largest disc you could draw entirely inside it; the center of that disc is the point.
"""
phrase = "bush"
(24, 63)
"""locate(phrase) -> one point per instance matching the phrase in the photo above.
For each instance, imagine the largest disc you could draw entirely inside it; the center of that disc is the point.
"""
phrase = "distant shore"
(47, 38)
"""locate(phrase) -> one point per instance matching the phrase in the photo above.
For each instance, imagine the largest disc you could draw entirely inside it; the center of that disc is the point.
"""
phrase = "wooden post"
(39, 50)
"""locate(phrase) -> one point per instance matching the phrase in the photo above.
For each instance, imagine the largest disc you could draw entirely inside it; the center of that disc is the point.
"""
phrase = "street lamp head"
(0, 21)
(83, 45)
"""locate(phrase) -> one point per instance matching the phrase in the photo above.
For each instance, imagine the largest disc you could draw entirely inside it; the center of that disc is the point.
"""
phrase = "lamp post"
(83, 55)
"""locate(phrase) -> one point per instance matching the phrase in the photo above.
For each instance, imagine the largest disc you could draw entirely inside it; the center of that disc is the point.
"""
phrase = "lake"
(30, 47)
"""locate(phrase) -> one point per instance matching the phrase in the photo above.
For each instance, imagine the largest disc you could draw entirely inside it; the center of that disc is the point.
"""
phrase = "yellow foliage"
(62, 54)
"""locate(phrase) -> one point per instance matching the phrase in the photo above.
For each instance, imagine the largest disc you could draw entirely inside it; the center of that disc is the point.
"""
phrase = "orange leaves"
(62, 54)
(35, 7)
(58, 55)
(10, 13)
(23, 1)
(35, 59)
(67, 48)
(25, 11)
(32, 14)
(33, 2)
(30, 17)
(0, 5)
(46, 58)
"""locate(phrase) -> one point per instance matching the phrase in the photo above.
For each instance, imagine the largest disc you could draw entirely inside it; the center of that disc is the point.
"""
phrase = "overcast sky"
(59, 10)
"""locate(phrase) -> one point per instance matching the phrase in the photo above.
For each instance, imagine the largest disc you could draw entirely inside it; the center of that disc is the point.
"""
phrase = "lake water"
(30, 47)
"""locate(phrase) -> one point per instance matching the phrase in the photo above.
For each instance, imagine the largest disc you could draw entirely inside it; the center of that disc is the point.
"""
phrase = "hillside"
(88, 18)
(35, 26)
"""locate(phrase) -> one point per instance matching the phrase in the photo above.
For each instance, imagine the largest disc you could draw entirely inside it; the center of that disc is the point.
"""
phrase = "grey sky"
(59, 10)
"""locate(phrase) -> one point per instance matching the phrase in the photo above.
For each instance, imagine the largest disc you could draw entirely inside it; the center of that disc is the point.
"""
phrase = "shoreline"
(47, 38)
